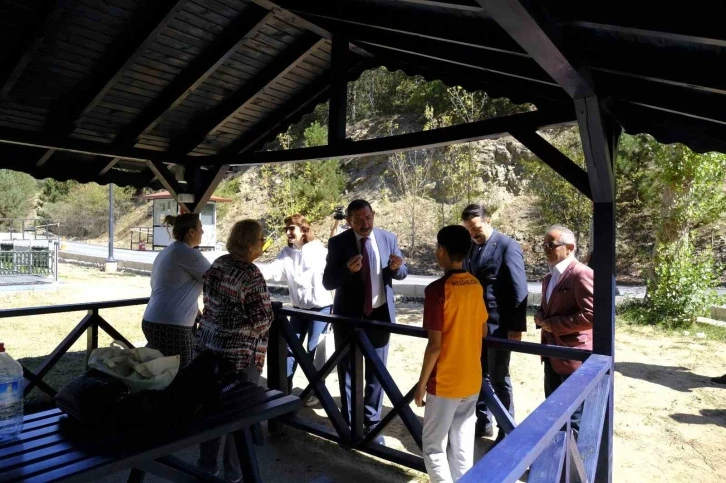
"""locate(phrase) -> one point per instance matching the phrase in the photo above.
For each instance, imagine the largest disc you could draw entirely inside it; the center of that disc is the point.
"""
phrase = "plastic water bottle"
(11, 396)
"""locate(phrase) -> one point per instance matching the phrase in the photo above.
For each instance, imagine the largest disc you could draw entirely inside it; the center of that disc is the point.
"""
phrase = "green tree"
(681, 285)
(17, 194)
(312, 188)
(558, 202)
(83, 212)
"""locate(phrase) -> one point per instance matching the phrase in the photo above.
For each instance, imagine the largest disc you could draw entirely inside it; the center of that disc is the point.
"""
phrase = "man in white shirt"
(361, 264)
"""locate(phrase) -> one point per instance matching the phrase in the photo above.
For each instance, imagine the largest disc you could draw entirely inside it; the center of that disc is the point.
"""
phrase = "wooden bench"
(52, 447)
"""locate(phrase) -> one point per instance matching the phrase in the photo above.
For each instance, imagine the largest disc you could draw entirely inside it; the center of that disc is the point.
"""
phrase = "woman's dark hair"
(182, 224)
(473, 211)
(456, 240)
(299, 220)
(356, 205)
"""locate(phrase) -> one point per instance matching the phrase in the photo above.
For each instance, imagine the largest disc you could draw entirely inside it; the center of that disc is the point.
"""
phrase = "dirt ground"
(670, 421)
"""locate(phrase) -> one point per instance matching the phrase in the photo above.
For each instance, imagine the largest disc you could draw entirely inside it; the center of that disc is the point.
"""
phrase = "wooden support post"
(276, 360)
(91, 334)
(338, 91)
(599, 136)
(357, 407)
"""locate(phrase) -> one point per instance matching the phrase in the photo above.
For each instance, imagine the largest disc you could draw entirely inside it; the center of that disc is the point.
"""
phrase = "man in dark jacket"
(361, 266)
(497, 261)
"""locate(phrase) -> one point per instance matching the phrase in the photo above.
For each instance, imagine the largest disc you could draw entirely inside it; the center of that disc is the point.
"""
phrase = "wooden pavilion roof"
(110, 90)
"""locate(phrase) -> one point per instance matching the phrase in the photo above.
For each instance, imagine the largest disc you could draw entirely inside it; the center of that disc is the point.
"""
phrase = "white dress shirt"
(557, 271)
(377, 288)
(303, 271)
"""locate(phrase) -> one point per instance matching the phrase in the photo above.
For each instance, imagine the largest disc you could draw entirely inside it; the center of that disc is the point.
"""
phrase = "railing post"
(92, 334)
(55, 260)
(356, 390)
(276, 360)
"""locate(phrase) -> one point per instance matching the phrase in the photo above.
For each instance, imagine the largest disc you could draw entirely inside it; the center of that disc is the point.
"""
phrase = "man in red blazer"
(565, 312)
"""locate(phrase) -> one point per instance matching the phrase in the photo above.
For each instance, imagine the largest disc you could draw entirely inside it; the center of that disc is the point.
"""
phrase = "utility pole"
(111, 264)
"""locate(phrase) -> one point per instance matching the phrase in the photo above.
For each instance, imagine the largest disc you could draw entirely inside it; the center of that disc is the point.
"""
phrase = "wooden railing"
(539, 443)
(89, 325)
(543, 443)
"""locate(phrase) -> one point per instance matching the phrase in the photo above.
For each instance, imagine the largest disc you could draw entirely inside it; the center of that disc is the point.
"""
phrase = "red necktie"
(366, 273)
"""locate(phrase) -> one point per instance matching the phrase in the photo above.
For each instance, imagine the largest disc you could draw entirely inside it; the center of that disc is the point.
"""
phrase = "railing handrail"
(58, 309)
(509, 459)
(420, 332)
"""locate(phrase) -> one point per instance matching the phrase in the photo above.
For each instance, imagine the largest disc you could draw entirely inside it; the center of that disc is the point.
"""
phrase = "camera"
(338, 213)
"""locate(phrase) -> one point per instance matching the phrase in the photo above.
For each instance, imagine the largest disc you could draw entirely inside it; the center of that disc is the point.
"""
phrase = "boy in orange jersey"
(455, 317)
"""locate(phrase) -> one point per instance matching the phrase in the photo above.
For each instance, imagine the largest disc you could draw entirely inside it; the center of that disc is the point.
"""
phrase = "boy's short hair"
(456, 240)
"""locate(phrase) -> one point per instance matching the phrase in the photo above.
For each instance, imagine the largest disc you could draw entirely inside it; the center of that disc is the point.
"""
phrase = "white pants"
(448, 437)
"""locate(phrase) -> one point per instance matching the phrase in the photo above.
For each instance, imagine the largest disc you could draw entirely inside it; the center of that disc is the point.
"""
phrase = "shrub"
(685, 287)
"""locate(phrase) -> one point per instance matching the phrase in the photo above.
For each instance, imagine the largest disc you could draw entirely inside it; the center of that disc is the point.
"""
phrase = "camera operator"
(337, 228)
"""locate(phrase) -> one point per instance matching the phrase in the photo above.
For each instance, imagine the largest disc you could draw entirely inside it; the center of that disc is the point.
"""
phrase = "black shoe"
(483, 430)
(719, 380)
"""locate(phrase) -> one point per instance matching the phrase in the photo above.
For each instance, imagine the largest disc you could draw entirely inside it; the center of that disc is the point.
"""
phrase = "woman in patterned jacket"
(235, 323)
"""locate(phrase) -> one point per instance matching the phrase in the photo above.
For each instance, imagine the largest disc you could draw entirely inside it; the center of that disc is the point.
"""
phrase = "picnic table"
(53, 447)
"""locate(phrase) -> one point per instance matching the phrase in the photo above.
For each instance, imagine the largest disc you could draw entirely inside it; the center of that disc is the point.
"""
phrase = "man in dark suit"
(497, 261)
(361, 264)
(565, 313)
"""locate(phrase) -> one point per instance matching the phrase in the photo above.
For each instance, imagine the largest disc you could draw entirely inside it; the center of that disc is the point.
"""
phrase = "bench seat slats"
(49, 450)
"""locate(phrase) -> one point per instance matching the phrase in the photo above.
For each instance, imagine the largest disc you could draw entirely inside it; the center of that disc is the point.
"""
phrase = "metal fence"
(30, 261)
(29, 229)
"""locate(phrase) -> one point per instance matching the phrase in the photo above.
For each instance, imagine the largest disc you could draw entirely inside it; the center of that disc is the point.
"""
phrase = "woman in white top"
(301, 264)
(176, 284)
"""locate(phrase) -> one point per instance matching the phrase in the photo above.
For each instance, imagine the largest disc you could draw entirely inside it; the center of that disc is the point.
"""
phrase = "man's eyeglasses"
(552, 245)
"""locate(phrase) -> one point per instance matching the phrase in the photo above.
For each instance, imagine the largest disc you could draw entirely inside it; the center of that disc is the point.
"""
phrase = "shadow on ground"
(716, 417)
(677, 378)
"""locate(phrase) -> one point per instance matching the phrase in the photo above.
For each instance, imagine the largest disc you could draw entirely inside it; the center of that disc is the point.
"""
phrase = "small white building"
(164, 204)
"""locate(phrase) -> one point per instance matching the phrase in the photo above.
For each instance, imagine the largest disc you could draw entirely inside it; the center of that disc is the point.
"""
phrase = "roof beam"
(462, 133)
(39, 140)
(476, 31)
(18, 58)
(210, 181)
(538, 35)
(244, 27)
(215, 118)
(715, 39)
(517, 90)
(702, 24)
(596, 143)
(145, 27)
(465, 55)
(337, 107)
(694, 66)
(315, 93)
(167, 180)
(462, 5)
(555, 159)
(701, 104)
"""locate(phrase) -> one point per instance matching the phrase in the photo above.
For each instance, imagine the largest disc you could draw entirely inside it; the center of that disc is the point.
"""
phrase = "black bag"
(98, 399)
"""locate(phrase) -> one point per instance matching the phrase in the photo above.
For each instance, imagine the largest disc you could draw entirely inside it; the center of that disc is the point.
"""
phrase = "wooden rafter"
(539, 36)
(338, 90)
(314, 93)
(475, 31)
(46, 20)
(491, 61)
(212, 120)
(555, 159)
(246, 26)
(462, 133)
(145, 27)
